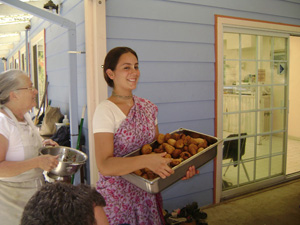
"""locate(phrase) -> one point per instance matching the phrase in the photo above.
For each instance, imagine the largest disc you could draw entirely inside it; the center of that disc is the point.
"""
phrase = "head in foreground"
(65, 204)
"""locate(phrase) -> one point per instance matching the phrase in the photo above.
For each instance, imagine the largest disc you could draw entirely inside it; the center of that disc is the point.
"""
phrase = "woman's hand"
(190, 173)
(48, 162)
(50, 142)
(159, 164)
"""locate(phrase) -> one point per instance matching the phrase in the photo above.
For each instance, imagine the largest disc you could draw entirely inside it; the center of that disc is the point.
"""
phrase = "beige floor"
(278, 205)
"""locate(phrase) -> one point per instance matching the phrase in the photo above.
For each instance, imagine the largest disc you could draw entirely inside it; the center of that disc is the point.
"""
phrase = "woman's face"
(27, 93)
(126, 73)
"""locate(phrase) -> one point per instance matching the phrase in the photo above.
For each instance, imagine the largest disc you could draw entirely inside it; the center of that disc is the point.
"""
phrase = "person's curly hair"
(62, 203)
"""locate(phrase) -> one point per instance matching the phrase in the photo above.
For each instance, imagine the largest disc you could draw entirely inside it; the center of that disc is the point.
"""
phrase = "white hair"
(9, 81)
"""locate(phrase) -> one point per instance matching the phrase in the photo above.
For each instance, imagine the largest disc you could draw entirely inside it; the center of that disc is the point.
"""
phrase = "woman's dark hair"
(112, 59)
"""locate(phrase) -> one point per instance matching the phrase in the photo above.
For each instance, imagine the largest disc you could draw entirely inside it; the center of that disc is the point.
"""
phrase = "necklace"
(121, 96)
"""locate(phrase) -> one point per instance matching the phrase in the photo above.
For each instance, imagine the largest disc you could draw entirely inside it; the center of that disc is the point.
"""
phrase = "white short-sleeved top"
(10, 131)
(108, 117)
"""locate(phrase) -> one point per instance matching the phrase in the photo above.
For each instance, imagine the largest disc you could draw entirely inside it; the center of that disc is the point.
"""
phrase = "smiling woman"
(21, 169)
(121, 124)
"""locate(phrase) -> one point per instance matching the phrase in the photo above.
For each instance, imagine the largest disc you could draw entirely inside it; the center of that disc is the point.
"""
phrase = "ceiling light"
(51, 6)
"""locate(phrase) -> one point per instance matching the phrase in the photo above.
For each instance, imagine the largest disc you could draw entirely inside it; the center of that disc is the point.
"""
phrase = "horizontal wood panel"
(190, 184)
(205, 126)
(54, 32)
(168, 51)
(176, 71)
(195, 11)
(185, 111)
(126, 28)
(274, 7)
(160, 10)
(58, 45)
(176, 91)
(183, 194)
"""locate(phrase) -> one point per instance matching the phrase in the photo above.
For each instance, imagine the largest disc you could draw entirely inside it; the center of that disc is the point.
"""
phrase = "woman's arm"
(14, 168)
(108, 165)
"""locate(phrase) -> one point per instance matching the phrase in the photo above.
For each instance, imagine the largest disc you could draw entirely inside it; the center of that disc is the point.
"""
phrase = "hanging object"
(51, 6)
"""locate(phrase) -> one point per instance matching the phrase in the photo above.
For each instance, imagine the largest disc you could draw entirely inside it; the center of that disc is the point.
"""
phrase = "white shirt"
(10, 131)
(107, 117)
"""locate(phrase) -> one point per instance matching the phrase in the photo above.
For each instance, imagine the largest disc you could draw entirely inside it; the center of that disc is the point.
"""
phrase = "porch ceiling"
(13, 23)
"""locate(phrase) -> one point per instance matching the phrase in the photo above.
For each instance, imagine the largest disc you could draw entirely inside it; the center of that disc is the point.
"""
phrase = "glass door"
(254, 107)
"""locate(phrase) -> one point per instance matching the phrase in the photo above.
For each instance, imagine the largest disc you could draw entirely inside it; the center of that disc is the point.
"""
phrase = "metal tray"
(158, 184)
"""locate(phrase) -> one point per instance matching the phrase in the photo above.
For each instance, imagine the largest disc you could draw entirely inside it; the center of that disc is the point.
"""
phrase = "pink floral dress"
(125, 202)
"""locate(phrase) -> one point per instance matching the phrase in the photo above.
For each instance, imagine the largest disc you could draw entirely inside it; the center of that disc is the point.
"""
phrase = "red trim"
(254, 20)
(216, 104)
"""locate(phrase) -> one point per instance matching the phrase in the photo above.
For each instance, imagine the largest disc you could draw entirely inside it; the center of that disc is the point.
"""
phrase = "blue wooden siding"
(174, 40)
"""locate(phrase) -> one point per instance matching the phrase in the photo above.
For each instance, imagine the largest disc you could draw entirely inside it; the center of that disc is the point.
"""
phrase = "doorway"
(252, 104)
(293, 145)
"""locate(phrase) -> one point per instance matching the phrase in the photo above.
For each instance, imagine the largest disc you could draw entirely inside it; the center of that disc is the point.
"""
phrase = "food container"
(69, 161)
(158, 184)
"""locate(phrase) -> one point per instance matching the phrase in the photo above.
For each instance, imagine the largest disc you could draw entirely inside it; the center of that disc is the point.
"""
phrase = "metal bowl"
(70, 159)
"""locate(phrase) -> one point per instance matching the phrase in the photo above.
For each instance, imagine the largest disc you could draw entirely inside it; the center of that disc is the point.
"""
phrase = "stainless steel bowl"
(70, 159)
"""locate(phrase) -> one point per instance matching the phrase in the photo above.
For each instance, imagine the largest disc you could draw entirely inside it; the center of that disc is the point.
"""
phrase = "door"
(254, 107)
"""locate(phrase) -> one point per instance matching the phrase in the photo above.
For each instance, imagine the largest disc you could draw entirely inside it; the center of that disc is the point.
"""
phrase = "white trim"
(95, 39)
(233, 23)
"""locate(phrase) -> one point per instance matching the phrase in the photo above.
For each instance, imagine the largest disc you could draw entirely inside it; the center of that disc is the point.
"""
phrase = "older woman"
(21, 169)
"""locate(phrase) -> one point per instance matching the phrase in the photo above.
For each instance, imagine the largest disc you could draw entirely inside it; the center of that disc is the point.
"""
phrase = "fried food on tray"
(175, 136)
(168, 155)
(146, 149)
(179, 147)
(172, 141)
(185, 155)
(193, 149)
(169, 148)
(161, 138)
(200, 149)
(158, 150)
(176, 153)
(167, 137)
(175, 162)
(179, 143)
(138, 172)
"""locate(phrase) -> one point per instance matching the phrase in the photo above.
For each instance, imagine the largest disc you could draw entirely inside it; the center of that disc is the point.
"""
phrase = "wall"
(294, 83)
(175, 43)
(1, 67)
(57, 64)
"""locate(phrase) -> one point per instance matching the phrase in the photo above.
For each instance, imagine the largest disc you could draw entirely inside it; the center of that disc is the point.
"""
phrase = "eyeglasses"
(29, 88)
